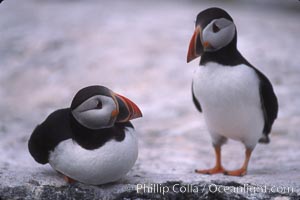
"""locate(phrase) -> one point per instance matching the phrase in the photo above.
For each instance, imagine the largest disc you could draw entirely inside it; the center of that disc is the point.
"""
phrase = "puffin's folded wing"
(38, 146)
(269, 102)
(49, 134)
(195, 100)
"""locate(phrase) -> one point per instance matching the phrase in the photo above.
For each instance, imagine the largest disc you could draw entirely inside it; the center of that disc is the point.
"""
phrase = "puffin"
(237, 100)
(92, 141)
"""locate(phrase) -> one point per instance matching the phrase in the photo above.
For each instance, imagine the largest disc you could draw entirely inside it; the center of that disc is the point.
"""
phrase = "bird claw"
(238, 172)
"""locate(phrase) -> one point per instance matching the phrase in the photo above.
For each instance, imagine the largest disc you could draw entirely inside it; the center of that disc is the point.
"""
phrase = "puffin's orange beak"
(192, 52)
(127, 109)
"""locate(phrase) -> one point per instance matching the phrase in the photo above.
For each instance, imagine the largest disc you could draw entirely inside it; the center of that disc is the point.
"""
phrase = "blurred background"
(49, 49)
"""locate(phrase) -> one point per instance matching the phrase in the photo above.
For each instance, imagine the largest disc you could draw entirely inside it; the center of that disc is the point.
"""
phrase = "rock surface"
(50, 49)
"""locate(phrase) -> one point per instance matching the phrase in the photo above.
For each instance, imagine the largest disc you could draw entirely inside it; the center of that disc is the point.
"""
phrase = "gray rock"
(168, 190)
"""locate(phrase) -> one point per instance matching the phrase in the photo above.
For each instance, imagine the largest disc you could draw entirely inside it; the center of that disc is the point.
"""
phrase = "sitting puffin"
(93, 141)
(237, 100)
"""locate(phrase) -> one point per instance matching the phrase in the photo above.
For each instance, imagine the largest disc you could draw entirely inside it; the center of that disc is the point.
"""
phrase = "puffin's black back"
(47, 135)
(61, 125)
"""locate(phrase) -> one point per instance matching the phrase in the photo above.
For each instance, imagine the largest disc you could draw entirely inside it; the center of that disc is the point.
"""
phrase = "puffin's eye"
(99, 105)
(215, 28)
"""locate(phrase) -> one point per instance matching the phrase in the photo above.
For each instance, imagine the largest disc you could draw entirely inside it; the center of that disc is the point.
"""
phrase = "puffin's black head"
(97, 107)
(214, 30)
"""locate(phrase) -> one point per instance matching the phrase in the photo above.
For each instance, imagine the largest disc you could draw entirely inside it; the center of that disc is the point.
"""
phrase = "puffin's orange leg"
(243, 170)
(68, 179)
(218, 167)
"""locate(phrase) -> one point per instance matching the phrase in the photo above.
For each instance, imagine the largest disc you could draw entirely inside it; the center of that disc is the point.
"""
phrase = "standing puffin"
(93, 141)
(237, 100)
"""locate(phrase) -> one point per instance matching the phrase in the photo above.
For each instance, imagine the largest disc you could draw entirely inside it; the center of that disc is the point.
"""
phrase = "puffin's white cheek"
(222, 38)
(93, 119)
(215, 40)
(219, 39)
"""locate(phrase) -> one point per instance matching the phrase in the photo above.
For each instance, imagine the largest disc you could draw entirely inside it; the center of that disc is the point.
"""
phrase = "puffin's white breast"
(229, 97)
(103, 165)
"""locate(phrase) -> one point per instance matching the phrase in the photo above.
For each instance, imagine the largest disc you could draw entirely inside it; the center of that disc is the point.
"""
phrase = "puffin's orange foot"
(214, 170)
(68, 179)
(238, 172)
